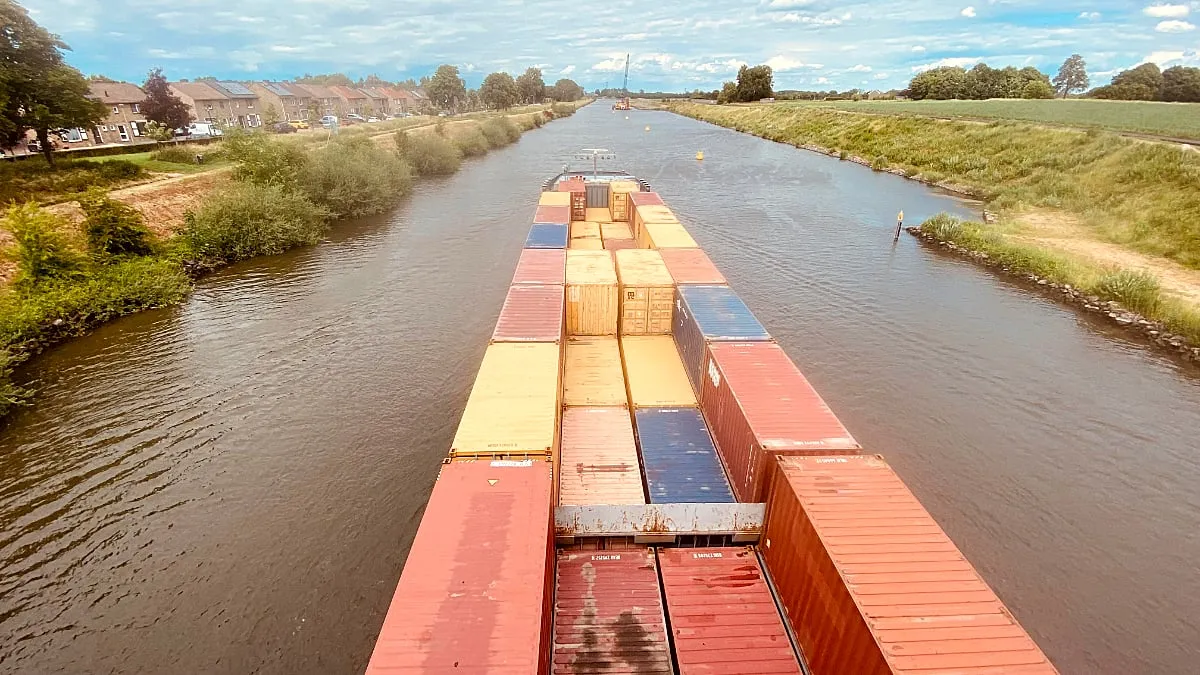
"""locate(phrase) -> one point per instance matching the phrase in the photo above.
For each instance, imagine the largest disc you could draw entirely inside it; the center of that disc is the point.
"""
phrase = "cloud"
(784, 63)
(882, 76)
(860, 68)
(960, 62)
(793, 17)
(567, 71)
(1174, 26)
(1163, 11)
(918, 49)
(1089, 16)
(789, 4)
(968, 12)
(1190, 57)
(822, 80)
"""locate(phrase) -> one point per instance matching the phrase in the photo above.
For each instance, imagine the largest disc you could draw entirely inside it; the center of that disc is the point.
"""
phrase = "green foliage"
(34, 178)
(263, 159)
(432, 155)
(11, 395)
(981, 82)
(446, 89)
(562, 109)
(499, 91)
(330, 80)
(1072, 75)
(1181, 84)
(500, 131)
(42, 248)
(250, 219)
(1037, 89)
(162, 106)
(754, 83)
(566, 90)
(470, 141)
(355, 177)
(113, 228)
(158, 131)
(728, 93)
(178, 154)
(530, 86)
(1136, 290)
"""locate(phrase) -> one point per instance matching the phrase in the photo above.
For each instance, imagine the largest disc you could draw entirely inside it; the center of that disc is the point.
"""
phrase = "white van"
(203, 130)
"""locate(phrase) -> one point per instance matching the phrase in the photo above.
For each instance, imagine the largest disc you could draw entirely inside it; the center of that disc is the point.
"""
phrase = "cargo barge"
(643, 482)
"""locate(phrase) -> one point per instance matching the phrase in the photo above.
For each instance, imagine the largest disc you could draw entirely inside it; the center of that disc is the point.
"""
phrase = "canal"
(230, 486)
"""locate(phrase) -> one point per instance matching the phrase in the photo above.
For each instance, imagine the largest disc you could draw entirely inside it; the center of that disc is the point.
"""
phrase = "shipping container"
(609, 614)
(691, 266)
(531, 314)
(588, 244)
(585, 229)
(647, 293)
(710, 313)
(758, 404)
(645, 199)
(476, 591)
(599, 460)
(619, 244)
(679, 459)
(575, 184)
(591, 293)
(546, 235)
(723, 617)
(654, 372)
(873, 586)
(592, 373)
(597, 196)
(513, 406)
(615, 231)
(541, 266)
(664, 235)
(618, 199)
(554, 199)
(599, 214)
(651, 214)
(560, 215)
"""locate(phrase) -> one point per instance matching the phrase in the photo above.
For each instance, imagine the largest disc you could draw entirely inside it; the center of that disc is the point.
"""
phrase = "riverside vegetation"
(1139, 195)
(283, 195)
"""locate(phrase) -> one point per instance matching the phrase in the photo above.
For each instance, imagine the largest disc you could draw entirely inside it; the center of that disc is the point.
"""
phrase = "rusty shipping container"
(706, 314)
(554, 199)
(645, 199)
(531, 314)
(757, 404)
(691, 266)
(574, 184)
(514, 403)
(619, 244)
(664, 236)
(599, 461)
(608, 614)
(592, 372)
(591, 293)
(723, 618)
(541, 266)
(558, 215)
(873, 586)
(647, 293)
(654, 373)
(475, 594)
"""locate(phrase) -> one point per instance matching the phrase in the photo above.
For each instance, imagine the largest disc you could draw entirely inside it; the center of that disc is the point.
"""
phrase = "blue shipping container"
(705, 314)
(678, 457)
(547, 235)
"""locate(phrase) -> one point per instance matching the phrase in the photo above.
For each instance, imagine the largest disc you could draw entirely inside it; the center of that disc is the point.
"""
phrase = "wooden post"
(899, 226)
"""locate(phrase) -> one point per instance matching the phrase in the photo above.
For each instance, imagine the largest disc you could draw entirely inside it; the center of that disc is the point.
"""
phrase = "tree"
(270, 115)
(330, 80)
(163, 106)
(531, 86)
(1142, 83)
(566, 90)
(499, 91)
(446, 89)
(1181, 83)
(373, 80)
(101, 79)
(1072, 76)
(754, 83)
(728, 93)
(158, 131)
(939, 83)
(1037, 89)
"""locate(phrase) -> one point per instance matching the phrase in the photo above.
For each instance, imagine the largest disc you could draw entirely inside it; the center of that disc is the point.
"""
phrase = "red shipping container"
(691, 266)
(531, 314)
(757, 404)
(541, 266)
(608, 614)
(475, 593)
(723, 618)
(645, 199)
(571, 185)
(872, 585)
(619, 244)
(552, 214)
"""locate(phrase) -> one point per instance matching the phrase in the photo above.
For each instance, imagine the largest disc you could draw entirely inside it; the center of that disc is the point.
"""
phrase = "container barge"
(643, 482)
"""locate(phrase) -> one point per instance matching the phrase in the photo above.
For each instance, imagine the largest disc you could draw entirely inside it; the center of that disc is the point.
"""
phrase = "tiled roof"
(316, 90)
(116, 92)
(348, 93)
(199, 91)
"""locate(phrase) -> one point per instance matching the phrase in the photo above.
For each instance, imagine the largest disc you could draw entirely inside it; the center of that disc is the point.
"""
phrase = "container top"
(624, 186)
(541, 266)
(918, 592)
(719, 312)
(785, 413)
(592, 373)
(599, 461)
(616, 231)
(531, 314)
(513, 406)
(680, 461)
(642, 267)
(669, 235)
(552, 214)
(648, 198)
(583, 228)
(554, 199)
(547, 235)
(476, 561)
(656, 214)
(598, 214)
(587, 244)
(619, 244)
(590, 267)
(691, 266)
(656, 374)
(722, 613)
(571, 185)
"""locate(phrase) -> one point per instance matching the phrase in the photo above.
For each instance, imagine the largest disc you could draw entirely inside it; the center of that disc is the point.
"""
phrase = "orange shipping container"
(599, 215)
(664, 235)
(599, 459)
(647, 293)
(592, 374)
(619, 244)
(591, 293)
(691, 266)
(514, 403)
(554, 199)
(618, 198)
(871, 583)
(651, 214)
(585, 229)
(615, 231)
(587, 244)
(654, 373)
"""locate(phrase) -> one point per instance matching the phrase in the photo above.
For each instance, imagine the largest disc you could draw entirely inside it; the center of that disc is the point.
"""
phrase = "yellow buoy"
(700, 155)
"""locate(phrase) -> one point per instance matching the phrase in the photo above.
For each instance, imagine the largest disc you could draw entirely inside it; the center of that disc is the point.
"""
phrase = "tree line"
(980, 82)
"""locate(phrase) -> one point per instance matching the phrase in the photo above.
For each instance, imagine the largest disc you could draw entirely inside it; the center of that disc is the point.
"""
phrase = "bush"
(1138, 291)
(42, 251)
(562, 109)
(263, 159)
(11, 395)
(113, 228)
(249, 220)
(353, 178)
(432, 155)
(32, 178)
(500, 131)
(471, 141)
(177, 154)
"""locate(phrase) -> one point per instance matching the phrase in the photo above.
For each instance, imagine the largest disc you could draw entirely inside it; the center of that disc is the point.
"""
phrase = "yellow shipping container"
(555, 199)
(599, 215)
(591, 293)
(647, 292)
(651, 214)
(586, 244)
(654, 372)
(615, 231)
(618, 198)
(592, 374)
(665, 235)
(585, 229)
(513, 407)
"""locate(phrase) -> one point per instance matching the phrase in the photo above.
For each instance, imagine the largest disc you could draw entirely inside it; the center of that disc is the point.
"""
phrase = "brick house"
(291, 102)
(125, 122)
(380, 103)
(324, 99)
(214, 102)
(246, 108)
(353, 100)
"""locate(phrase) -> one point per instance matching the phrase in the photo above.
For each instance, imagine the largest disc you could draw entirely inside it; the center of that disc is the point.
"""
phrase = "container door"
(597, 196)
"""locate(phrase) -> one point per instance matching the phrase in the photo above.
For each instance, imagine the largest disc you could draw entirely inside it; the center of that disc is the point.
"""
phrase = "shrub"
(43, 250)
(471, 141)
(432, 155)
(11, 395)
(177, 154)
(355, 178)
(562, 110)
(34, 179)
(1138, 290)
(263, 159)
(114, 170)
(500, 131)
(248, 220)
(113, 228)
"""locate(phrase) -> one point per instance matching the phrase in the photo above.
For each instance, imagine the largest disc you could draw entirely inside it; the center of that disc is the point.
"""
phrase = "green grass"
(1176, 120)
(146, 161)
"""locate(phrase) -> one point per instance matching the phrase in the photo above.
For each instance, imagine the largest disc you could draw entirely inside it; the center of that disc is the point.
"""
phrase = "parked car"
(299, 124)
(355, 117)
(202, 130)
(372, 119)
(283, 128)
(329, 121)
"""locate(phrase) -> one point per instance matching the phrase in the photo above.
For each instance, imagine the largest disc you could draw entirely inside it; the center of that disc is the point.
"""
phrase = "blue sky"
(812, 44)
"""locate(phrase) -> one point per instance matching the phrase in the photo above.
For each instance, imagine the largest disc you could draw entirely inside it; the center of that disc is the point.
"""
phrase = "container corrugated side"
(554, 199)
(615, 231)
(513, 406)
(758, 404)
(552, 214)
(870, 582)
(651, 214)
(645, 199)
(478, 575)
(546, 235)
(592, 373)
(618, 199)
(599, 460)
(707, 313)
(723, 618)
(599, 214)
(588, 244)
(541, 266)
(531, 314)
(678, 458)
(619, 244)
(585, 229)
(591, 293)
(665, 235)
(654, 372)
(647, 292)
(691, 266)
(609, 614)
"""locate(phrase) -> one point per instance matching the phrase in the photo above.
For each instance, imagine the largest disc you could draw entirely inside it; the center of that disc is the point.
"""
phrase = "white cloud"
(968, 12)
(918, 50)
(611, 65)
(1089, 16)
(782, 63)
(961, 62)
(793, 17)
(860, 68)
(1190, 57)
(789, 4)
(822, 80)
(882, 76)
(567, 71)
(1174, 26)
(1161, 11)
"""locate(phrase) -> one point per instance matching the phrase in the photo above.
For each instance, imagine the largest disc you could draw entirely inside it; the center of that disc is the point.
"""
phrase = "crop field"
(1176, 120)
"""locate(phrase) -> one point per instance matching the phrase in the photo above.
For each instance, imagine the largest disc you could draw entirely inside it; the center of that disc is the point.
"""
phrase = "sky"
(673, 45)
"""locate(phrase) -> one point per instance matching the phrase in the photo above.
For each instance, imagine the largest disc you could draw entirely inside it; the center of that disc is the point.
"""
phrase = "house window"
(208, 106)
(116, 109)
(137, 108)
(249, 105)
